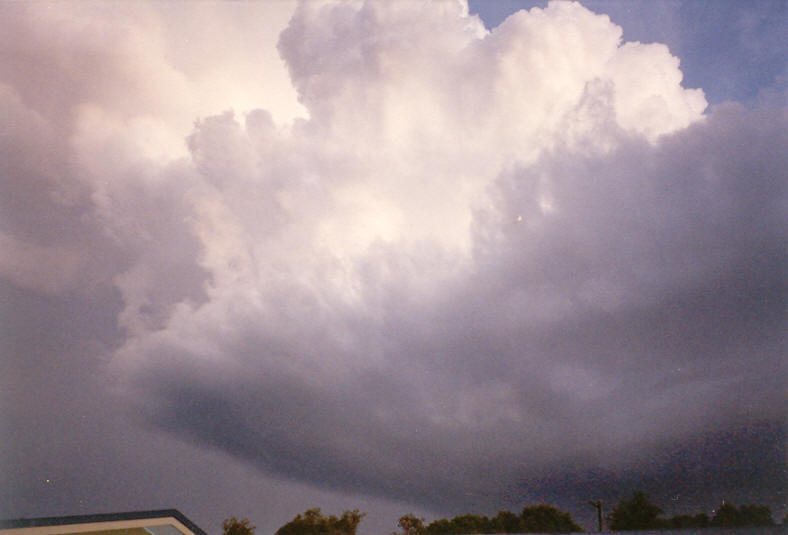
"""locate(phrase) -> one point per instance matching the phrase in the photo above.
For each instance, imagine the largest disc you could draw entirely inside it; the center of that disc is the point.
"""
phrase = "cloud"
(50, 269)
(479, 260)
(559, 243)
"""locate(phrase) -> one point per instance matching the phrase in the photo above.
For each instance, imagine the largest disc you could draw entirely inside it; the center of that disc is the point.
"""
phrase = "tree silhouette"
(312, 522)
(635, 513)
(411, 524)
(728, 516)
(534, 519)
(547, 519)
(233, 526)
(506, 522)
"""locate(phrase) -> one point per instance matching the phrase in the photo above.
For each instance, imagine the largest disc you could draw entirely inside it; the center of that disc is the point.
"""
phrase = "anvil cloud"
(469, 269)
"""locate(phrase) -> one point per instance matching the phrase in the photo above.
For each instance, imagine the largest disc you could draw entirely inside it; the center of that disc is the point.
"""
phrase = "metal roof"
(104, 517)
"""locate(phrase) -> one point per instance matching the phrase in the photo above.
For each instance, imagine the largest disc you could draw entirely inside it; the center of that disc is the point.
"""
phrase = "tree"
(411, 524)
(440, 526)
(348, 523)
(756, 515)
(312, 522)
(233, 526)
(468, 523)
(635, 513)
(506, 522)
(534, 519)
(701, 520)
(547, 519)
(728, 516)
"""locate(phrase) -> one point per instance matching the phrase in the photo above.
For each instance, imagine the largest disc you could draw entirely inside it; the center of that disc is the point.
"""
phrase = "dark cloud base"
(741, 465)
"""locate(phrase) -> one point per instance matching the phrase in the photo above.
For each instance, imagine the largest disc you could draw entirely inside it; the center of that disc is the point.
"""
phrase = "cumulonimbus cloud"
(477, 249)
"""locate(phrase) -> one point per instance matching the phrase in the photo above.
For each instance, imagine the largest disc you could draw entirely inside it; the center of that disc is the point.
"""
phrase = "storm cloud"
(471, 269)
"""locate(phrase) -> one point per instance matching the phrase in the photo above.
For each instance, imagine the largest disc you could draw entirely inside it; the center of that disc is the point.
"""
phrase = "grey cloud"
(644, 312)
(72, 447)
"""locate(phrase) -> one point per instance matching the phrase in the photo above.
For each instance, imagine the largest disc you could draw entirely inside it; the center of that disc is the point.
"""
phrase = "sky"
(429, 257)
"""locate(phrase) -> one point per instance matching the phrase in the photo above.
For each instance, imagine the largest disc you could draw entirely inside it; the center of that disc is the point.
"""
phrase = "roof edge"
(101, 517)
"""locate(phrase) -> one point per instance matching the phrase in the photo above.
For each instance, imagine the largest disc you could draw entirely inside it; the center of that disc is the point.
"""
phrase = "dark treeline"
(313, 522)
(639, 513)
(636, 513)
(534, 519)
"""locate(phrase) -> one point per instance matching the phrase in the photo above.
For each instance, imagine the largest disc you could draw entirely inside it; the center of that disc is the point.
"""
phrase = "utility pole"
(598, 505)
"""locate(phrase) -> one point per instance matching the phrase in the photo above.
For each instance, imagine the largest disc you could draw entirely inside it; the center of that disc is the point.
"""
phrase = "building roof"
(146, 520)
